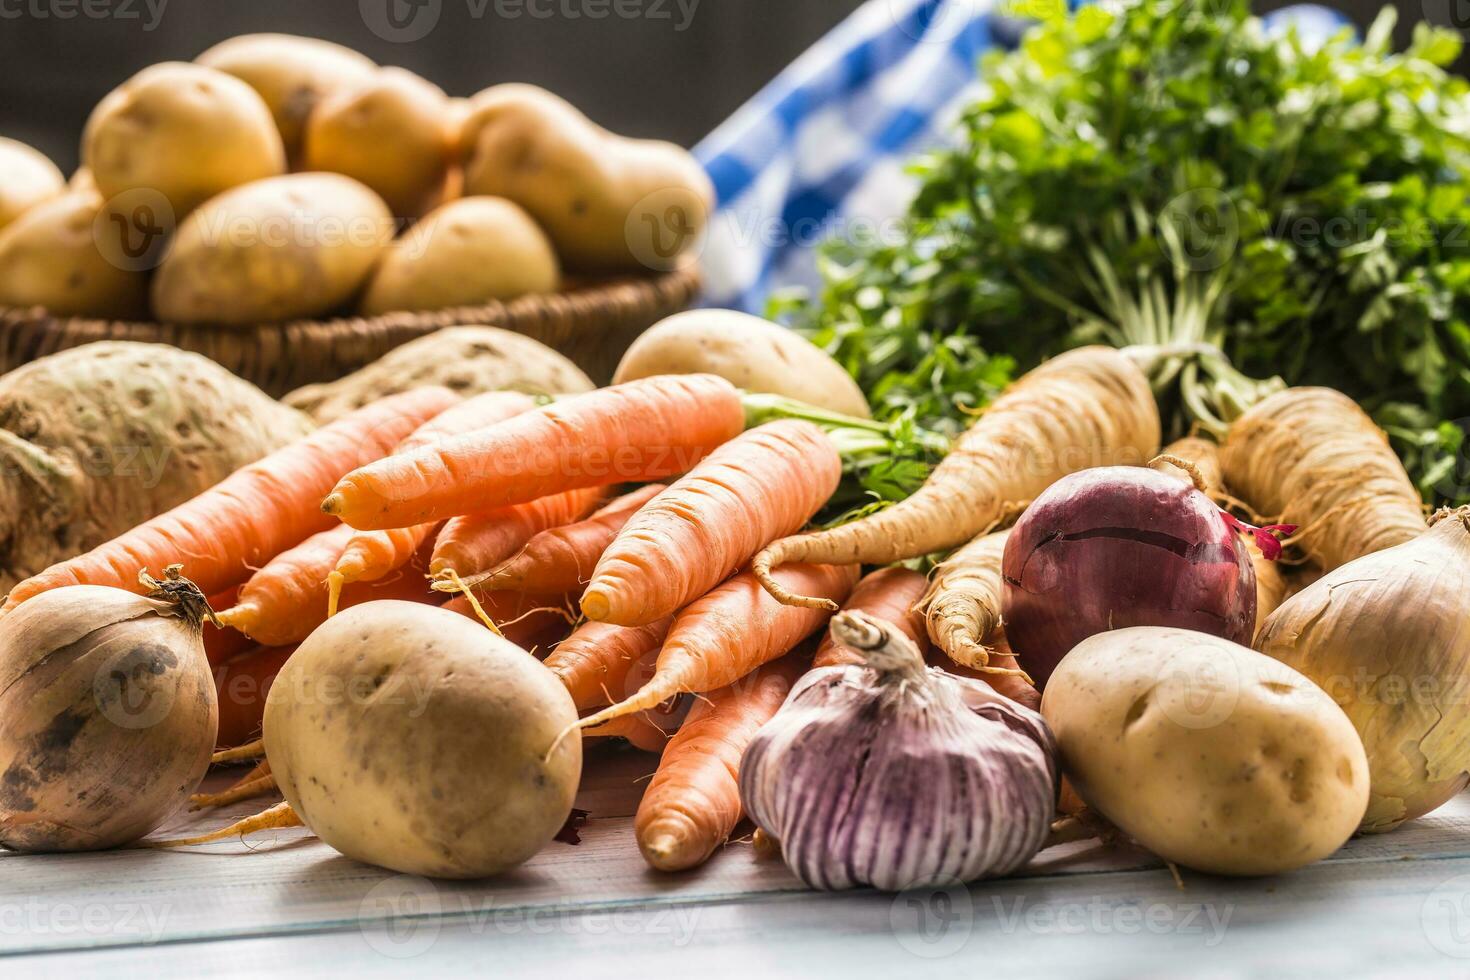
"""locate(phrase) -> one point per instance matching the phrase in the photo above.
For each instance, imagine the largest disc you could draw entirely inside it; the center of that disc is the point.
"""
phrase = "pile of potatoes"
(278, 178)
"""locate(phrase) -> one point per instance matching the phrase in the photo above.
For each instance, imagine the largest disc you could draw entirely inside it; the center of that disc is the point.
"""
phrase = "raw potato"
(182, 131)
(1205, 752)
(466, 360)
(27, 178)
(50, 257)
(281, 249)
(412, 738)
(393, 132)
(747, 351)
(292, 74)
(608, 202)
(100, 438)
(466, 253)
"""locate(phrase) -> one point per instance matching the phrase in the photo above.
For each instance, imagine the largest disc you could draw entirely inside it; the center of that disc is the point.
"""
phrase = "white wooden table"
(287, 905)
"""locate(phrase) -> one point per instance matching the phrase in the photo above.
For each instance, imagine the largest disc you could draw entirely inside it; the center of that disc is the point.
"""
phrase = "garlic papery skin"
(899, 776)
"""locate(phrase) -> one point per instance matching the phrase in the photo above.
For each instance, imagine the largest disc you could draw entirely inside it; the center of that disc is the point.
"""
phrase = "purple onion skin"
(1121, 546)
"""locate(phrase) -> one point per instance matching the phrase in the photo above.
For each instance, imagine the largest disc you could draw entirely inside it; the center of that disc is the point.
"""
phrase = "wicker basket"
(591, 322)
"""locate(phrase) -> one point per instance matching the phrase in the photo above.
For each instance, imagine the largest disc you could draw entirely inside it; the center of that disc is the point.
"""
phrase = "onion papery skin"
(1387, 636)
(1121, 546)
(900, 783)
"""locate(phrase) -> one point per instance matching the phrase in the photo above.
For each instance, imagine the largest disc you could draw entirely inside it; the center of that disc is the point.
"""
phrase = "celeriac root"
(1312, 457)
(1088, 407)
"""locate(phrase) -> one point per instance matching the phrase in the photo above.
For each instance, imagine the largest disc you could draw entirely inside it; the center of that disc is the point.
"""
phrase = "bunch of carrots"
(611, 533)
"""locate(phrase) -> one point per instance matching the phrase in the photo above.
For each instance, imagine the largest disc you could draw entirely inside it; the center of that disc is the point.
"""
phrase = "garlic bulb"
(899, 776)
(1387, 636)
(107, 713)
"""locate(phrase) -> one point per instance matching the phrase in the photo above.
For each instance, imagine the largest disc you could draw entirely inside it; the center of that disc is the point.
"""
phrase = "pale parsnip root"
(962, 606)
(1088, 407)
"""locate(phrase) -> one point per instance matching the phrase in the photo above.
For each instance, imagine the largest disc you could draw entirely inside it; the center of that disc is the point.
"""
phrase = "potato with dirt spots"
(611, 204)
(1205, 752)
(27, 178)
(748, 352)
(181, 132)
(291, 74)
(411, 738)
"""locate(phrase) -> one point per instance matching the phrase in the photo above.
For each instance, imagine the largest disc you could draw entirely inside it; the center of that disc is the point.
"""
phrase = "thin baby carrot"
(888, 594)
(731, 631)
(478, 542)
(372, 554)
(597, 660)
(561, 559)
(252, 515)
(629, 433)
(693, 802)
(754, 489)
(533, 623)
(287, 599)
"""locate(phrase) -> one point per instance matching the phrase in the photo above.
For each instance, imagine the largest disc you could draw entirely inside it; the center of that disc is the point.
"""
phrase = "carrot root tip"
(595, 606)
(335, 581)
(332, 504)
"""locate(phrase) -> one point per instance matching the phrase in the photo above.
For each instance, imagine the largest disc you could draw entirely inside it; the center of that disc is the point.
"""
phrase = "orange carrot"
(888, 594)
(533, 623)
(762, 486)
(242, 684)
(693, 802)
(731, 631)
(479, 542)
(640, 731)
(598, 659)
(629, 433)
(372, 554)
(220, 642)
(252, 515)
(287, 599)
(561, 559)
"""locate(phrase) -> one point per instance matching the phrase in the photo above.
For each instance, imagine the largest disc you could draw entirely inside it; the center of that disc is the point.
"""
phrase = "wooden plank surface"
(1393, 905)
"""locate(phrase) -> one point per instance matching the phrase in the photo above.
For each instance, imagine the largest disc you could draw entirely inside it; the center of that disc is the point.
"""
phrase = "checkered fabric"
(822, 148)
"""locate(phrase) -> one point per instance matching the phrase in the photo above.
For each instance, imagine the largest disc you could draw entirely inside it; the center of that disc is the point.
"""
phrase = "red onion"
(1122, 546)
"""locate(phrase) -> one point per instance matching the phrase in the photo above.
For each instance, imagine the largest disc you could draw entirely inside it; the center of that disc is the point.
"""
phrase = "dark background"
(641, 76)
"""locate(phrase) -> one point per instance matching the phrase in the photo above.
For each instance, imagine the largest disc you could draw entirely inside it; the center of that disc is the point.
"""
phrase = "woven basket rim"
(611, 290)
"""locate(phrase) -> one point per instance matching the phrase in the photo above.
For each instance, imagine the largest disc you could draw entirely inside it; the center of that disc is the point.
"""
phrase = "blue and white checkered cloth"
(825, 144)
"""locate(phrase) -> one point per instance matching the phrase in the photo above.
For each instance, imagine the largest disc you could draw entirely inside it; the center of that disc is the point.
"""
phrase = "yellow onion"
(896, 775)
(107, 714)
(1387, 636)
